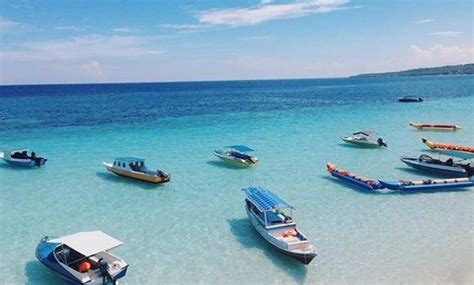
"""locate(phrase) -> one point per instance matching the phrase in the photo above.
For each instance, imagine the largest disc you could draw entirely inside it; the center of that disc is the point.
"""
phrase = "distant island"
(460, 69)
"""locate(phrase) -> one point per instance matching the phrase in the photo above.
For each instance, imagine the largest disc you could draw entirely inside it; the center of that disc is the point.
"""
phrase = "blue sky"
(136, 41)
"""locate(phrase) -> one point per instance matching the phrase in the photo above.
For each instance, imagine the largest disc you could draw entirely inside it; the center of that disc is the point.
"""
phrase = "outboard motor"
(469, 169)
(381, 142)
(104, 271)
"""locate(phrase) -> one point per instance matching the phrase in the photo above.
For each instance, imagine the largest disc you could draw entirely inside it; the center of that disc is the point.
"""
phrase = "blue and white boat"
(237, 154)
(364, 139)
(448, 167)
(83, 258)
(428, 184)
(20, 157)
(265, 211)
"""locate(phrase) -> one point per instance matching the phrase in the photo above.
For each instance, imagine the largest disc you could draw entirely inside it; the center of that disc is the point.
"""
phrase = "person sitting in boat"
(286, 218)
(20, 155)
(469, 169)
(240, 155)
(450, 162)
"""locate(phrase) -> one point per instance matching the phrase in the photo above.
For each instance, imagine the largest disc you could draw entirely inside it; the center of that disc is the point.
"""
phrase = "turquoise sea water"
(194, 229)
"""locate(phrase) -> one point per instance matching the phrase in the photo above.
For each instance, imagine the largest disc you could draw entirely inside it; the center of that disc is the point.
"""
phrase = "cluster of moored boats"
(455, 168)
(84, 257)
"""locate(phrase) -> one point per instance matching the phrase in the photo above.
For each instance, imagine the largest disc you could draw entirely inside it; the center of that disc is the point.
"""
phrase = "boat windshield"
(69, 256)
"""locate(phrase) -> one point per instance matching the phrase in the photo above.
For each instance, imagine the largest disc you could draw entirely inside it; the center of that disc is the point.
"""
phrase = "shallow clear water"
(194, 229)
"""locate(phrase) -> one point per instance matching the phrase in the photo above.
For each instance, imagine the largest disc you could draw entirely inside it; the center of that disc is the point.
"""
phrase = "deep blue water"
(42, 106)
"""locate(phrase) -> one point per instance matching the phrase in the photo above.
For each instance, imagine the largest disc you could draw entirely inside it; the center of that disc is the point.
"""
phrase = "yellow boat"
(461, 151)
(435, 127)
(135, 168)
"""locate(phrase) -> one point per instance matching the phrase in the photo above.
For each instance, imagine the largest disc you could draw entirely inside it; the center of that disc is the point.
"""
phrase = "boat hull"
(461, 151)
(435, 127)
(358, 183)
(44, 253)
(451, 171)
(409, 100)
(25, 162)
(304, 258)
(359, 143)
(345, 176)
(401, 186)
(138, 175)
(234, 161)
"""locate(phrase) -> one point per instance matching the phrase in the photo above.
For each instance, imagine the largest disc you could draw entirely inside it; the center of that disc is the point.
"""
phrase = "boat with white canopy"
(364, 139)
(266, 212)
(83, 258)
(237, 154)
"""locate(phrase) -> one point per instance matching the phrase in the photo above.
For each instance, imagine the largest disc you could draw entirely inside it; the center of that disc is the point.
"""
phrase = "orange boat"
(435, 127)
(461, 151)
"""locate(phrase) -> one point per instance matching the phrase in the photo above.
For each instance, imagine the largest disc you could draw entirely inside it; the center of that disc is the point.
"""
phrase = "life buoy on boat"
(330, 167)
(84, 266)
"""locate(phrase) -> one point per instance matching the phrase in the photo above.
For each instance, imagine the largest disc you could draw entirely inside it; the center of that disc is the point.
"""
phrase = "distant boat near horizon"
(407, 99)
(435, 127)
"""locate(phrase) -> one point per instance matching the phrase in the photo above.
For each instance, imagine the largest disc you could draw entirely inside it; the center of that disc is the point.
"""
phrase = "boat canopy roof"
(129, 159)
(365, 133)
(264, 199)
(88, 243)
(12, 151)
(241, 148)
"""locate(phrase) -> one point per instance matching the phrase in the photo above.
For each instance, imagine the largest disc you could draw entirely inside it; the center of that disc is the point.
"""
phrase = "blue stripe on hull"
(355, 182)
(44, 253)
(395, 185)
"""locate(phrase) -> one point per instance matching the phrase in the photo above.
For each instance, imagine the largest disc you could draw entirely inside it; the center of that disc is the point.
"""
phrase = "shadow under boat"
(16, 168)
(127, 181)
(222, 164)
(357, 146)
(37, 274)
(248, 237)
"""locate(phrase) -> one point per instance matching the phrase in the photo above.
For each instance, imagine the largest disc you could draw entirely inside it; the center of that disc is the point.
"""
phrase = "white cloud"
(186, 28)
(125, 30)
(446, 34)
(94, 69)
(83, 47)
(440, 55)
(263, 2)
(422, 21)
(7, 25)
(70, 28)
(269, 11)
